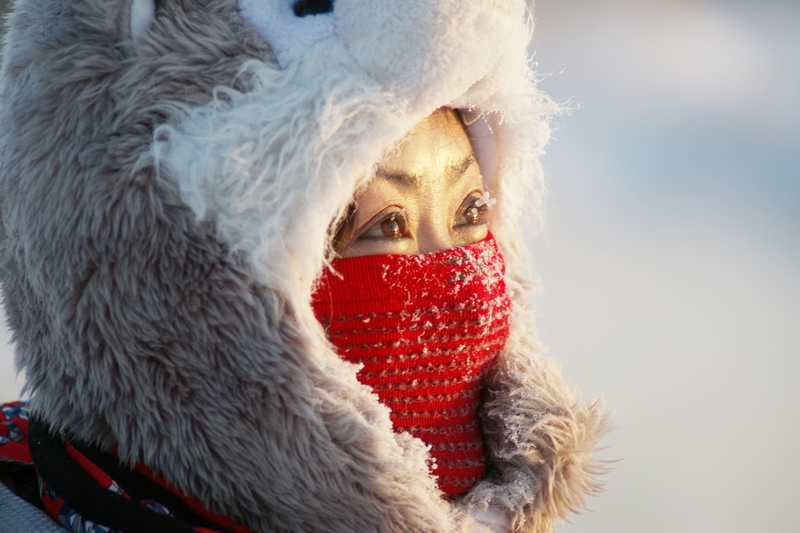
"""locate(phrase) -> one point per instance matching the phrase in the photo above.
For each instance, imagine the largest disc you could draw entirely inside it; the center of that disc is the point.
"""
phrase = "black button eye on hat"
(312, 7)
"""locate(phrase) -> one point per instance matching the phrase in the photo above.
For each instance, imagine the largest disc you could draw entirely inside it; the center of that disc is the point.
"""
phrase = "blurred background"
(670, 263)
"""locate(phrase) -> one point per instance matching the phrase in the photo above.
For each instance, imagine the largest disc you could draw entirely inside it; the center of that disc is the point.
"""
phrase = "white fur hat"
(352, 82)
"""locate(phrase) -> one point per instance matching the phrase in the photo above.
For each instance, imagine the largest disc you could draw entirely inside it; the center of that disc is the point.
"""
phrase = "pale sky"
(670, 265)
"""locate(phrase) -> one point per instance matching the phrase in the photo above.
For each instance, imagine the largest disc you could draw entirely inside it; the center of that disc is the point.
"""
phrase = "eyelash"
(394, 220)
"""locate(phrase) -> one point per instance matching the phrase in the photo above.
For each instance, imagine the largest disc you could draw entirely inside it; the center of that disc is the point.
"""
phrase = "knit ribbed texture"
(18, 516)
(426, 328)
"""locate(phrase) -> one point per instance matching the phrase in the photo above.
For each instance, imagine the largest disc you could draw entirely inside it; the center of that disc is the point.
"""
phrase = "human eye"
(390, 224)
(472, 212)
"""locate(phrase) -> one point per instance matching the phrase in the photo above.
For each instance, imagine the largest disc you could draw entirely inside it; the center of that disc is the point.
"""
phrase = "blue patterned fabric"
(18, 516)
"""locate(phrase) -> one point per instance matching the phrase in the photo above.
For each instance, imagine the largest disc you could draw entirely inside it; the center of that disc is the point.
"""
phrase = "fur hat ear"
(142, 14)
(290, 26)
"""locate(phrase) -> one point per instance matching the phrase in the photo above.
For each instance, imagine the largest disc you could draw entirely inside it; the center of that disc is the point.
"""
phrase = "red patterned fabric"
(195, 505)
(14, 449)
(426, 328)
(14, 433)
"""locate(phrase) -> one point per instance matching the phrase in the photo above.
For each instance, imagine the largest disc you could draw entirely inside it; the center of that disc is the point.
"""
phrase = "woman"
(170, 174)
(427, 327)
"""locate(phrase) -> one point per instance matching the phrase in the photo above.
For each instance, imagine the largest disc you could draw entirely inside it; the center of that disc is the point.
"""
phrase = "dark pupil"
(472, 215)
(391, 228)
(312, 7)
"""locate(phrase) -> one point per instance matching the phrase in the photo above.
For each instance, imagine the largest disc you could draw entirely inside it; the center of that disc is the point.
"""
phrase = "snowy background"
(671, 261)
(670, 265)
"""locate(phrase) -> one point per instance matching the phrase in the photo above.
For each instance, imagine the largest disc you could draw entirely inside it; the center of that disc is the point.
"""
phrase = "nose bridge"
(433, 234)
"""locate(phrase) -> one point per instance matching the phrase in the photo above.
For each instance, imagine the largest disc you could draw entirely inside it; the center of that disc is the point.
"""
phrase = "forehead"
(437, 146)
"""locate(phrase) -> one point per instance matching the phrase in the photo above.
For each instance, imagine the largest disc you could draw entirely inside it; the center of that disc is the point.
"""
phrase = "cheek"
(377, 247)
(471, 234)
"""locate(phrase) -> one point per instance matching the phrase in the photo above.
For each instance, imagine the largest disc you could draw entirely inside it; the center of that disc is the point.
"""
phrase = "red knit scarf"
(426, 328)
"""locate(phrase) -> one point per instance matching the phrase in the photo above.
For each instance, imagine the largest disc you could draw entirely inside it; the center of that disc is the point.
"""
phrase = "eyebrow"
(454, 172)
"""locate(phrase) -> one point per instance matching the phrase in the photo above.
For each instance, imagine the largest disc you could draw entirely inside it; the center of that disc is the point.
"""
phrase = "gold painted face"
(425, 197)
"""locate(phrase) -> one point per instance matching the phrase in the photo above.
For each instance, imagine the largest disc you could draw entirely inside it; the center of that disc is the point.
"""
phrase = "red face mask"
(426, 328)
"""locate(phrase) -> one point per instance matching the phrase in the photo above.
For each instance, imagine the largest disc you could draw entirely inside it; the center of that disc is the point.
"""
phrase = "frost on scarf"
(426, 329)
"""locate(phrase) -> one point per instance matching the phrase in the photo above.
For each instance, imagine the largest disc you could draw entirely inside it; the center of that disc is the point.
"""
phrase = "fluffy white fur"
(289, 35)
(491, 520)
(142, 13)
(167, 196)
(249, 162)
